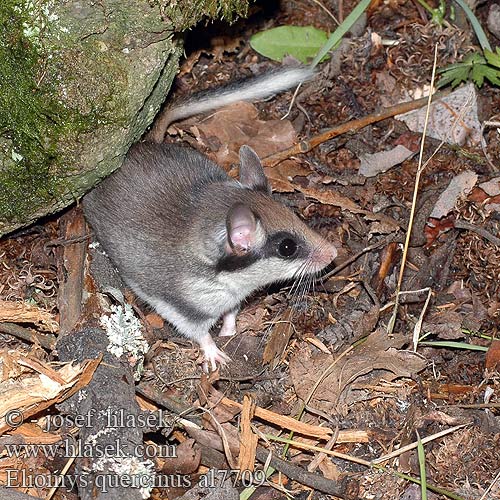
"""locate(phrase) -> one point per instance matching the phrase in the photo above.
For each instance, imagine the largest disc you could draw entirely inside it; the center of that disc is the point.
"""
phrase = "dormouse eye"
(287, 248)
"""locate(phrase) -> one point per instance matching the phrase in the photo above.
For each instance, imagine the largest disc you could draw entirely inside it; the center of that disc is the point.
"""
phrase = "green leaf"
(492, 74)
(456, 75)
(474, 67)
(421, 464)
(301, 42)
(492, 57)
(454, 345)
(477, 75)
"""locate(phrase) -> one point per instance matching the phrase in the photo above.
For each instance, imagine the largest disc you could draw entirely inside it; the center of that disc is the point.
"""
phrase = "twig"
(65, 469)
(412, 446)
(461, 224)
(351, 126)
(418, 325)
(355, 257)
(172, 404)
(46, 341)
(497, 477)
(489, 123)
(420, 169)
(300, 475)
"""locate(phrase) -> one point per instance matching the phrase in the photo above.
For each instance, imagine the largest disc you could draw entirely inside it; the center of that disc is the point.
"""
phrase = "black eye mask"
(283, 245)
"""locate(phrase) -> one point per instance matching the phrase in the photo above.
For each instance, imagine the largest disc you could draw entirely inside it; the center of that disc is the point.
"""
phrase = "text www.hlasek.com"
(69, 448)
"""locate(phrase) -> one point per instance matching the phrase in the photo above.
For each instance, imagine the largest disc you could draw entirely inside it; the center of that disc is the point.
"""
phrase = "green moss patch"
(32, 118)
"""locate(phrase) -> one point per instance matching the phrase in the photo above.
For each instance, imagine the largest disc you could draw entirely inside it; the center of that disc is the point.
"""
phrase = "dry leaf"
(378, 352)
(461, 185)
(444, 123)
(154, 320)
(278, 339)
(330, 197)
(374, 164)
(251, 319)
(282, 174)
(186, 460)
(491, 187)
(237, 124)
(493, 356)
(446, 325)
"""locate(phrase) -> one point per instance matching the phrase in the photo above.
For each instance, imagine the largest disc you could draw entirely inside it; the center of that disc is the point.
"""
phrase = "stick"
(351, 126)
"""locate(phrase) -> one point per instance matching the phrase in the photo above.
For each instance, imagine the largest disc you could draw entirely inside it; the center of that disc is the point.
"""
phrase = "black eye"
(287, 248)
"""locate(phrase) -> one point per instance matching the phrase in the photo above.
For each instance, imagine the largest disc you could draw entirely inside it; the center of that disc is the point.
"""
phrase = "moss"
(183, 12)
(35, 118)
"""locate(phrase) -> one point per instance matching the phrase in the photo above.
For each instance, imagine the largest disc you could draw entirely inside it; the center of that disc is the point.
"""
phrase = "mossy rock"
(79, 83)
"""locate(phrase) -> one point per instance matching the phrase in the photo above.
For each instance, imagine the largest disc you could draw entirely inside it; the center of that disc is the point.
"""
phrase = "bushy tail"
(249, 89)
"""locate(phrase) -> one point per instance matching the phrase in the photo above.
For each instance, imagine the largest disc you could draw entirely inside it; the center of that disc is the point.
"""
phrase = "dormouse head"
(265, 240)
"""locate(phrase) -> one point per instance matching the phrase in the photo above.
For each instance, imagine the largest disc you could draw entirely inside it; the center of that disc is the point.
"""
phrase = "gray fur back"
(145, 212)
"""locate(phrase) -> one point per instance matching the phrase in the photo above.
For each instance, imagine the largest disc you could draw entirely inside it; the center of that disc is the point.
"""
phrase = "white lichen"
(124, 332)
(139, 473)
(41, 18)
(16, 156)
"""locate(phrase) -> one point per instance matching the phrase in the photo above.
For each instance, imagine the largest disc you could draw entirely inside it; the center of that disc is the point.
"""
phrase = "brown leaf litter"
(341, 390)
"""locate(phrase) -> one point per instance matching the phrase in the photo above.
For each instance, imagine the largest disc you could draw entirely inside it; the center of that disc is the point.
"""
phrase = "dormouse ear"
(241, 228)
(251, 172)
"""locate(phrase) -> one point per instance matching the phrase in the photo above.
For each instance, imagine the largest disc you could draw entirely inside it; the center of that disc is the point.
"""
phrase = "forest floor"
(363, 386)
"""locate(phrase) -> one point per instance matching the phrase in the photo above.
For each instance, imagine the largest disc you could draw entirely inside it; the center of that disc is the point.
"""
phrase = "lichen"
(124, 332)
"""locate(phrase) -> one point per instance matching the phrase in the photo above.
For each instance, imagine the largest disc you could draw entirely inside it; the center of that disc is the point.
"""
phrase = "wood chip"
(248, 439)
(21, 312)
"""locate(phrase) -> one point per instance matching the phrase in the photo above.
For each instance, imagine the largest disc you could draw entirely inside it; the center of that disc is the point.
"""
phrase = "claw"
(213, 354)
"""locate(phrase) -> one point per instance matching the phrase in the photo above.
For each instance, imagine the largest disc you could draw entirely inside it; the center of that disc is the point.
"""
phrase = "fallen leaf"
(453, 119)
(374, 164)
(238, 124)
(281, 175)
(278, 339)
(330, 197)
(446, 325)
(493, 356)
(491, 187)
(155, 320)
(488, 194)
(186, 460)
(251, 319)
(461, 185)
(377, 357)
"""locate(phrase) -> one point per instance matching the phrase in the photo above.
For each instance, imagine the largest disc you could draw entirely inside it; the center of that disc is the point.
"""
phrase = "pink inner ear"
(241, 227)
(242, 236)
